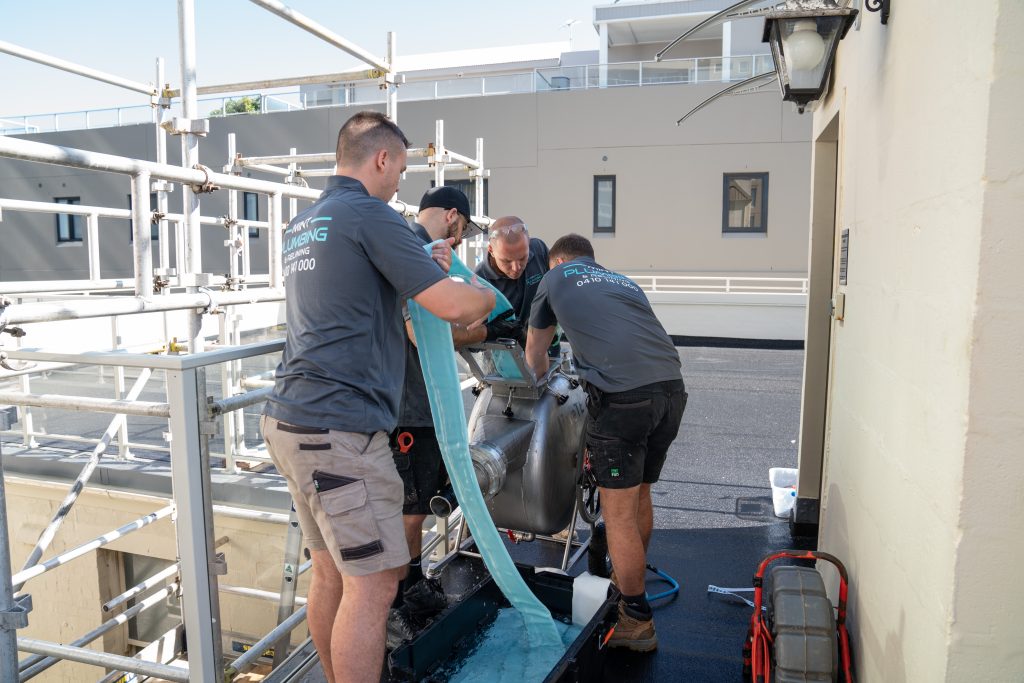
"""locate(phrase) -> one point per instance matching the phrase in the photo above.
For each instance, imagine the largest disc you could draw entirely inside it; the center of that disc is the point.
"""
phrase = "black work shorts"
(421, 468)
(629, 432)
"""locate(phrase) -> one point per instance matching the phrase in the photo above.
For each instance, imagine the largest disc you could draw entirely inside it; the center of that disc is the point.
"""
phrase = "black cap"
(448, 197)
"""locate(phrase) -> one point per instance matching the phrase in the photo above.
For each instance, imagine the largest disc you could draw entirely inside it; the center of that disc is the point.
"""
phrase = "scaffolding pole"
(19, 579)
(28, 150)
(20, 314)
(322, 32)
(71, 67)
(37, 664)
(103, 660)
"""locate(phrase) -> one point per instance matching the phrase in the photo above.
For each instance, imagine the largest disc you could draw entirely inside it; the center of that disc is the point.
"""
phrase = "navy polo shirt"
(519, 292)
(618, 342)
(350, 261)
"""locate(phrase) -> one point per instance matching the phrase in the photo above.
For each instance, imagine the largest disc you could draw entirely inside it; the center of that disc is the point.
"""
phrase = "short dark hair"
(365, 134)
(571, 246)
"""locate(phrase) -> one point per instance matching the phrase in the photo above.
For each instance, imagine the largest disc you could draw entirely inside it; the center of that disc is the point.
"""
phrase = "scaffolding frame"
(174, 284)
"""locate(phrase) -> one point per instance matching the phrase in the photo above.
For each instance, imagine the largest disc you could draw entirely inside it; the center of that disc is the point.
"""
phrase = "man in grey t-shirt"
(635, 400)
(349, 262)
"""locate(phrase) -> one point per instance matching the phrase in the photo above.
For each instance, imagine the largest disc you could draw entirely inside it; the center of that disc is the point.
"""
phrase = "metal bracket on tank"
(485, 367)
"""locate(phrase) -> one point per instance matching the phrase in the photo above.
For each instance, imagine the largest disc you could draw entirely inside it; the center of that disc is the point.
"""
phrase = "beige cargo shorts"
(348, 495)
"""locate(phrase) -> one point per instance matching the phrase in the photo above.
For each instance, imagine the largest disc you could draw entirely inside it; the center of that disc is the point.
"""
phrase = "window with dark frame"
(468, 189)
(154, 231)
(69, 226)
(604, 204)
(745, 203)
(251, 211)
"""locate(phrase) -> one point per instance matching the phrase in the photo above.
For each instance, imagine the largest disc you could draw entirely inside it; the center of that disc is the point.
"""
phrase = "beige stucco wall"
(923, 479)
(66, 601)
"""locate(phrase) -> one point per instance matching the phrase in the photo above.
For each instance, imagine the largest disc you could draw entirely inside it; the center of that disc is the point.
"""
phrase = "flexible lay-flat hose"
(440, 374)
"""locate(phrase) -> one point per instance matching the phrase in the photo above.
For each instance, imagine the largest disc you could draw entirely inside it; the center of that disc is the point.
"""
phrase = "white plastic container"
(783, 481)
(588, 594)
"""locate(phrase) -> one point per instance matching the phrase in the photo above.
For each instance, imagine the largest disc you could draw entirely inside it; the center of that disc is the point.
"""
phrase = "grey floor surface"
(713, 510)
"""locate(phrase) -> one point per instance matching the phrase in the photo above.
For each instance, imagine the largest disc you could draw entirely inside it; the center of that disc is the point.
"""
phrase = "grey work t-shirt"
(618, 342)
(349, 262)
(415, 407)
(519, 292)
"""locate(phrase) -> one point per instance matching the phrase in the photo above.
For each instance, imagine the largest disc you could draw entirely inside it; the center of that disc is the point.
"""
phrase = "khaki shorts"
(348, 495)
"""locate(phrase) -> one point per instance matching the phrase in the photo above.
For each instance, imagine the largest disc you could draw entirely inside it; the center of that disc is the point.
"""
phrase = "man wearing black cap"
(444, 213)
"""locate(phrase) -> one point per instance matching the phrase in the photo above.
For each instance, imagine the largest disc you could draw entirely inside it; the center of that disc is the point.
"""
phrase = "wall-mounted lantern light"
(804, 35)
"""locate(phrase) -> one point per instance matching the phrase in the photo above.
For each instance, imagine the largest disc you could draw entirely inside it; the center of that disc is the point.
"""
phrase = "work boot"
(401, 627)
(425, 599)
(634, 634)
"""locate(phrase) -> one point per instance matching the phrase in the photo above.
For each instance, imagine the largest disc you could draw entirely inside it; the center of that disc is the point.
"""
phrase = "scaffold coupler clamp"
(212, 308)
(17, 616)
(207, 185)
(15, 332)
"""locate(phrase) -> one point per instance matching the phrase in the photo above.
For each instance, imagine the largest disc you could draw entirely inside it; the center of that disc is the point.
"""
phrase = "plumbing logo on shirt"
(297, 239)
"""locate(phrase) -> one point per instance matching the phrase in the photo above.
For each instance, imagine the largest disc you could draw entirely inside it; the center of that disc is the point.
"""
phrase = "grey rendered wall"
(543, 151)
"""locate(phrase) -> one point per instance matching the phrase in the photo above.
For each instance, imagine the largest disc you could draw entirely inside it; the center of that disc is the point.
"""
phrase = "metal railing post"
(289, 581)
(190, 480)
(92, 233)
(9, 608)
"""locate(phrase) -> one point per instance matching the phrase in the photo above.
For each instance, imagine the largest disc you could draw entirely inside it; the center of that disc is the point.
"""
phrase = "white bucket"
(783, 481)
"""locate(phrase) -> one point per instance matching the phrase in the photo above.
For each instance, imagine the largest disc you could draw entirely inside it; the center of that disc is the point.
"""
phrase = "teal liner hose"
(440, 373)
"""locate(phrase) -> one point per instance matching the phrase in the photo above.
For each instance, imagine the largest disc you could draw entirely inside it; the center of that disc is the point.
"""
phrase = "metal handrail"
(19, 124)
(729, 284)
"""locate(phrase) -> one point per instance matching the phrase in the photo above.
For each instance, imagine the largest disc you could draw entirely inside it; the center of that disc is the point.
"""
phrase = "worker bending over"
(635, 400)
(515, 264)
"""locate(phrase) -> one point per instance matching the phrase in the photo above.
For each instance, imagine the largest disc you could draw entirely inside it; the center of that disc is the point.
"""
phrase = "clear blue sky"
(239, 41)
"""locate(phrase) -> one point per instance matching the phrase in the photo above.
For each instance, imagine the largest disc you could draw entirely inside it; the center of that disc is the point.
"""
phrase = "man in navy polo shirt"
(635, 400)
(515, 264)
(350, 261)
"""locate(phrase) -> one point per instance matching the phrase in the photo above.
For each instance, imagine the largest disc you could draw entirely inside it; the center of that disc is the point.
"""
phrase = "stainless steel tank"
(524, 441)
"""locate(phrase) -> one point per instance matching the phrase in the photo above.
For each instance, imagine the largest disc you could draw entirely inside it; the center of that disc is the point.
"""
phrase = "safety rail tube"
(249, 657)
(18, 314)
(37, 664)
(269, 83)
(103, 659)
(28, 150)
(87, 403)
(317, 158)
(55, 286)
(19, 579)
(322, 32)
(71, 67)
(245, 400)
(141, 587)
(46, 537)
(256, 593)
(250, 515)
(8, 605)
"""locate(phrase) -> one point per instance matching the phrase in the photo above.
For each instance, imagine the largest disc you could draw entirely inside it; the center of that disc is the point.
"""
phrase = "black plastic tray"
(418, 659)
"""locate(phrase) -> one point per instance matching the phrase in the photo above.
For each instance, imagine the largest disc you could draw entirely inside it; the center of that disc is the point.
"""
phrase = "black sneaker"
(401, 627)
(425, 599)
